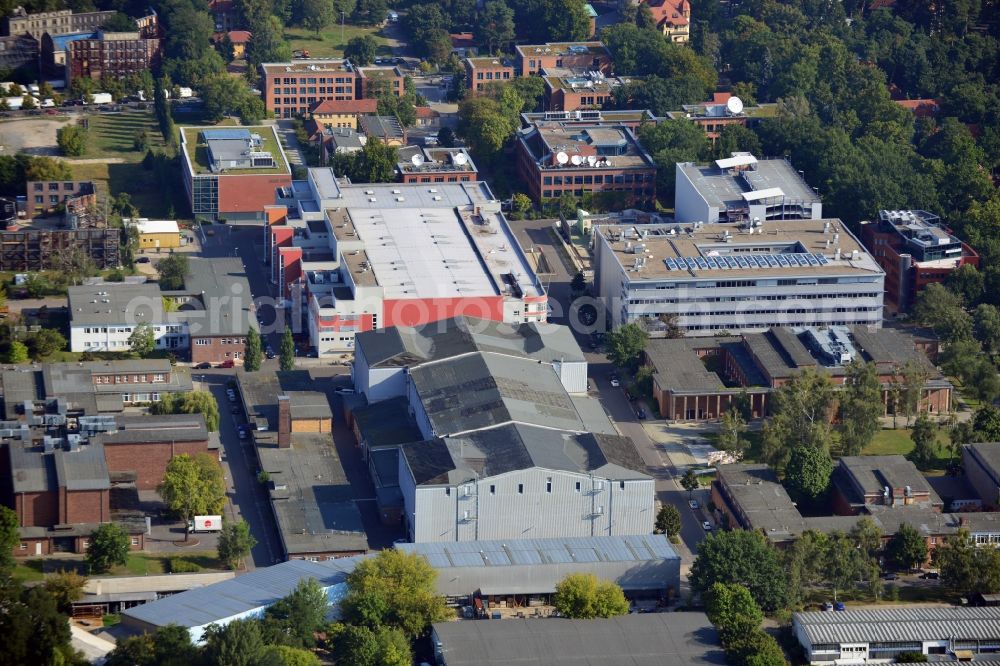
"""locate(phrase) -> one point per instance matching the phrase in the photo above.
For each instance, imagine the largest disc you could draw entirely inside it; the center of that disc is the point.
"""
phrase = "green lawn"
(139, 564)
(113, 135)
(328, 44)
(198, 153)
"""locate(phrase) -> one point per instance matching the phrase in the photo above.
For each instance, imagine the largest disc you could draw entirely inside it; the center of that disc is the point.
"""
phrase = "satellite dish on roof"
(461, 159)
(417, 160)
(576, 160)
(734, 105)
(591, 160)
(562, 157)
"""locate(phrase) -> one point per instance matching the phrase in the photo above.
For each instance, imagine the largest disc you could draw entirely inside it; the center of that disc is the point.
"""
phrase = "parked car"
(930, 575)
(828, 606)
(142, 260)
(242, 432)
(641, 413)
(890, 576)
(201, 366)
(839, 606)
(228, 363)
(707, 526)
(268, 353)
(615, 382)
(693, 504)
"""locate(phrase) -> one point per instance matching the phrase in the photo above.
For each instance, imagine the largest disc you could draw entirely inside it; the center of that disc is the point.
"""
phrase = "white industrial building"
(520, 481)
(103, 317)
(743, 278)
(384, 357)
(741, 187)
(877, 636)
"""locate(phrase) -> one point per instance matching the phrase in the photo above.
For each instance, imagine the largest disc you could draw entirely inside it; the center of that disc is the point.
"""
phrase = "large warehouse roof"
(660, 639)
(891, 625)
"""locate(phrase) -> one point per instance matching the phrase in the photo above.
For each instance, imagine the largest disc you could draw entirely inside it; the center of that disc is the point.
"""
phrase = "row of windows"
(730, 326)
(739, 299)
(489, 76)
(86, 543)
(53, 187)
(598, 179)
(548, 487)
(158, 329)
(637, 191)
(312, 90)
(313, 80)
(203, 342)
(126, 379)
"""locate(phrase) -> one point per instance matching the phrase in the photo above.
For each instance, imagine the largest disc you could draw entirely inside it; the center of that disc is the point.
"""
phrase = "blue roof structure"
(226, 133)
(59, 42)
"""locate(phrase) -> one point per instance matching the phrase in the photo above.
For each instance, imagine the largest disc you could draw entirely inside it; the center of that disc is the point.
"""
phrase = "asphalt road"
(536, 233)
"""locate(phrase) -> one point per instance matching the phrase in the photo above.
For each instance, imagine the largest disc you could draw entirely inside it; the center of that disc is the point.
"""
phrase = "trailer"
(205, 524)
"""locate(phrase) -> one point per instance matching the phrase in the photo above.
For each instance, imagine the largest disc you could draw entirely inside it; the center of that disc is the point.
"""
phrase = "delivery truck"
(205, 524)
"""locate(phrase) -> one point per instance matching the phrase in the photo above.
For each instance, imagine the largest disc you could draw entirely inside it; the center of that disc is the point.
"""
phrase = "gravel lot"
(31, 135)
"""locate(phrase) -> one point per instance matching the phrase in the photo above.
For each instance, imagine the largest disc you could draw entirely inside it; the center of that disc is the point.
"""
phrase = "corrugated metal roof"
(521, 552)
(901, 624)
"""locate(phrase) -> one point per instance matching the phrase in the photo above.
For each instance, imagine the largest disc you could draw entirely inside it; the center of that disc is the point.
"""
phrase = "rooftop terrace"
(197, 152)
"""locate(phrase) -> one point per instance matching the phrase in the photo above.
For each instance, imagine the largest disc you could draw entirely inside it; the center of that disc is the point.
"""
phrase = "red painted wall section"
(291, 258)
(358, 323)
(417, 311)
(248, 193)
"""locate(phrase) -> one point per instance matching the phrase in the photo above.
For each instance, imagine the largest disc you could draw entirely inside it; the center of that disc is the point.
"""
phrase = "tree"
(982, 380)
(363, 646)
(986, 326)
(446, 139)
(911, 657)
(924, 436)
(34, 630)
(223, 95)
(745, 558)
(294, 619)
(193, 486)
(625, 345)
(668, 520)
(375, 163)
(172, 270)
(986, 424)
(285, 655)
(28, 103)
(235, 543)
(72, 140)
(268, 43)
(566, 20)
(843, 564)
(732, 610)
(860, 407)
(801, 409)
(108, 547)
(690, 481)
(45, 342)
(486, 126)
(966, 282)
(9, 539)
(393, 589)
(17, 352)
(65, 587)
(361, 50)
(807, 474)
(494, 28)
(119, 22)
(578, 283)
(520, 204)
(867, 537)
(941, 309)
(238, 643)
(252, 354)
(731, 436)
(317, 14)
(966, 569)
(286, 359)
(141, 341)
(584, 596)
(908, 548)
(190, 402)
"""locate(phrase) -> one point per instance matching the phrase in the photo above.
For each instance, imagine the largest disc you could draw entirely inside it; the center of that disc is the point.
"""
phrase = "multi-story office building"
(111, 54)
(435, 165)
(741, 187)
(722, 110)
(481, 72)
(292, 88)
(59, 22)
(915, 249)
(375, 80)
(533, 58)
(554, 158)
(364, 256)
(232, 173)
(568, 89)
(711, 278)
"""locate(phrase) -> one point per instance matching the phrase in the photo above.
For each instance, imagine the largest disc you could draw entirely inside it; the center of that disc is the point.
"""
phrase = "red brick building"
(435, 165)
(685, 389)
(713, 116)
(481, 72)
(915, 249)
(569, 89)
(372, 80)
(143, 445)
(291, 88)
(113, 54)
(44, 197)
(554, 158)
(533, 58)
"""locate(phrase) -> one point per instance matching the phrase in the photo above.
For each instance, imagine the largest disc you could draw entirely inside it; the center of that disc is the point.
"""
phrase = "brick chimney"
(284, 422)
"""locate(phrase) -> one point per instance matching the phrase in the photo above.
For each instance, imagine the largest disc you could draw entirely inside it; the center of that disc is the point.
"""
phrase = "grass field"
(112, 135)
(141, 185)
(139, 564)
(329, 43)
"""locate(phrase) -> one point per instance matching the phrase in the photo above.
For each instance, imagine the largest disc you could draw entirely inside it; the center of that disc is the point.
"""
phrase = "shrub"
(179, 565)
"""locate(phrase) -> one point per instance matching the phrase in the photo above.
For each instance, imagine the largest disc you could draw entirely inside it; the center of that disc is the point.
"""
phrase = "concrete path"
(94, 649)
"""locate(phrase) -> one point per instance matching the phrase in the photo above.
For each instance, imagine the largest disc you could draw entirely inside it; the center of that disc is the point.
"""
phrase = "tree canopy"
(584, 596)
(745, 558)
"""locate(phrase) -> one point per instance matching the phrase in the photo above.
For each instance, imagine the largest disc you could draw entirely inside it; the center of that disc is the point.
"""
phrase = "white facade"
(114, 337)
(533, 503)
(845, 291)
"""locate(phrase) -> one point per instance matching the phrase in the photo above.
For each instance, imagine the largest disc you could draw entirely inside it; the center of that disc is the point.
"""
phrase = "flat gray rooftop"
(720, 188)
(663, 639)
(903, 624)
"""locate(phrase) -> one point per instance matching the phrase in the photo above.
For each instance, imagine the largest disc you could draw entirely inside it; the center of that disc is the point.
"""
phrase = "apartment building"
(533, 58)
(338, 114)
(710, 279)
(58, 22)
(45, 197)
(111, 54)
(374, 80)
(481, 72)
(672, 18)
(741, 188)
(915, 249)
(568, 89)
(554, 158)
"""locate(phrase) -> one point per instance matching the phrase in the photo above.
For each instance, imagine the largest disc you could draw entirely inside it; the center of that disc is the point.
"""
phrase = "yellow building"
(156, 234)
(337, 114)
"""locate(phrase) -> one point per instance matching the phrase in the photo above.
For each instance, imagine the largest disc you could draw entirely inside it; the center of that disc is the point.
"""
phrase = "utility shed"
(650, 639)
